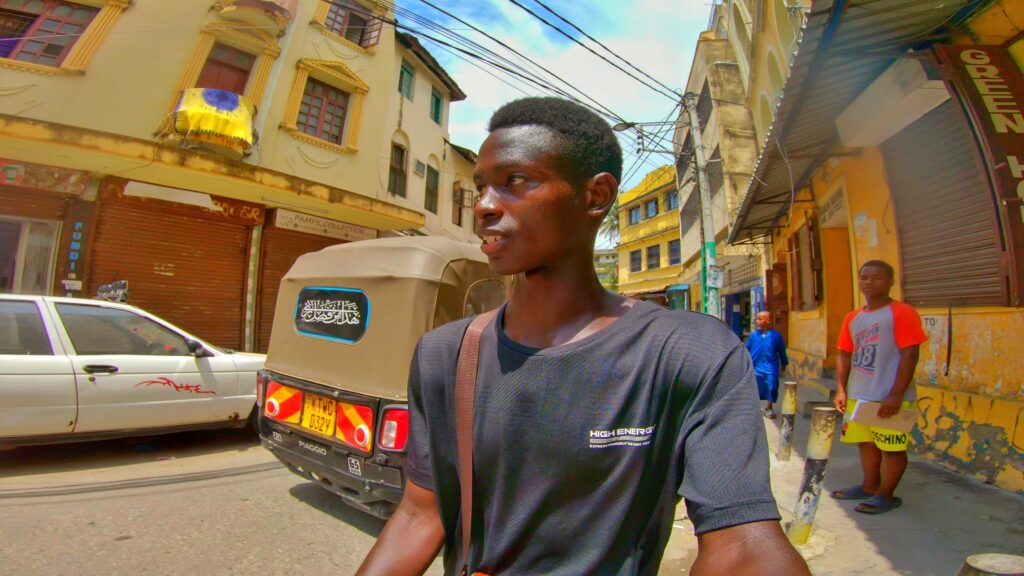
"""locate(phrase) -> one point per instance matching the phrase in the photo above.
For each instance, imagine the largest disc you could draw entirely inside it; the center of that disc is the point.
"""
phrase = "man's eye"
(514, 180)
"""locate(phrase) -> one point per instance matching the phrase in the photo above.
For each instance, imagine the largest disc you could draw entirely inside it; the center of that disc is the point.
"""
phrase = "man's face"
(529, 216)
(763, 320)
(874, 281)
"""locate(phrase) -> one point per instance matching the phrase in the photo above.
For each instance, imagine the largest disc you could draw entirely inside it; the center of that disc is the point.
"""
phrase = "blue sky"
(658, 36)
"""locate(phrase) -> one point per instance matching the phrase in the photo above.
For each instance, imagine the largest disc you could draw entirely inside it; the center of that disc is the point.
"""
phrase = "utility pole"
(709, 286)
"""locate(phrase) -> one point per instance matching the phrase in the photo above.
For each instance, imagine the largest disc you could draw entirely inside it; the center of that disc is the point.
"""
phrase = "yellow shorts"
(884, 438)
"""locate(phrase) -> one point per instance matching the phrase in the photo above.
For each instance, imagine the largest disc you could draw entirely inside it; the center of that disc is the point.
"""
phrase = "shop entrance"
(27, 252)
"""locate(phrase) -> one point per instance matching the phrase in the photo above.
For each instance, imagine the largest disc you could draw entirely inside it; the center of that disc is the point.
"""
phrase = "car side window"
(21, 329)
(101, 330)
(483, 296)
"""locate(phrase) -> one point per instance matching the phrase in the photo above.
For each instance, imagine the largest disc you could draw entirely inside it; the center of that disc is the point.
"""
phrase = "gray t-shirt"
(581, 451)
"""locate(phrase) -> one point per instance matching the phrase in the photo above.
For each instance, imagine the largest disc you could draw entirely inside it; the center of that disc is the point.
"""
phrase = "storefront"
(287, 236)
(37, 202)
(741, 293)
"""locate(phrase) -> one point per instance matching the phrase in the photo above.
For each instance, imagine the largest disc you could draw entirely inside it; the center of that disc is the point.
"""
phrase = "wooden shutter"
(950, 239)
(279, 250)
(189, 271)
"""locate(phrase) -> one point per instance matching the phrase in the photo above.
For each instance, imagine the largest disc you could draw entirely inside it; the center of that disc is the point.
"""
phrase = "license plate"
(318, 414)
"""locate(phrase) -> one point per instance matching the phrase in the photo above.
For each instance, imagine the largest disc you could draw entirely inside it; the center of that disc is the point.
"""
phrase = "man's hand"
(758, 548)
(839, 401)
(890, 406)
(410, 540)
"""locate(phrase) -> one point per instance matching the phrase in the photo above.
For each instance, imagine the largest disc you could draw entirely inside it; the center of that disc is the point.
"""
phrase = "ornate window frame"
(340, 76)
(319, 22)
(82, 52)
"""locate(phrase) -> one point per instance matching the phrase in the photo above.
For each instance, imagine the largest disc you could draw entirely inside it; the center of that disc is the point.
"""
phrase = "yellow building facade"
(881, 160)
(241, 136)
(648, 250)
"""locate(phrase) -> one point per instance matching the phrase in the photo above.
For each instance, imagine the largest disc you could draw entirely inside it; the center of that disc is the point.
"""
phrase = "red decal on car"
(165, 381)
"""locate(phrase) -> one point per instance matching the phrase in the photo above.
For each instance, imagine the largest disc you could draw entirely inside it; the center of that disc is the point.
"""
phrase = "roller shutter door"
(279, 250)
(950, 240)
(189, 271)
(33, 203)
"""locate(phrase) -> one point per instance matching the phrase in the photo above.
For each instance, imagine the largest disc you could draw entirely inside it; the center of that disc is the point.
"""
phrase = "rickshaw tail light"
(395, 429)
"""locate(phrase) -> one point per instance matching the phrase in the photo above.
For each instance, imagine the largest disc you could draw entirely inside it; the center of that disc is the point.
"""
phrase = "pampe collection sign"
(341, 314)
(991, 86)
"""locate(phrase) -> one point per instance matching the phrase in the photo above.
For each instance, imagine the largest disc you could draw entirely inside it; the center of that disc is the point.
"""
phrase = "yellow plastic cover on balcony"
(211, 111)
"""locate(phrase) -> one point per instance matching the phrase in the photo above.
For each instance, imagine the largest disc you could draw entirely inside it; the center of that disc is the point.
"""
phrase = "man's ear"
(601, 192)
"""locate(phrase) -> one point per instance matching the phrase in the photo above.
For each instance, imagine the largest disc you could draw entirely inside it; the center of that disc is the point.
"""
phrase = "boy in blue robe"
(768, 351)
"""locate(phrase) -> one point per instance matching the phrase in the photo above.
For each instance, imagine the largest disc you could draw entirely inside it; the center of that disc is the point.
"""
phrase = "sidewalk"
(945, 517)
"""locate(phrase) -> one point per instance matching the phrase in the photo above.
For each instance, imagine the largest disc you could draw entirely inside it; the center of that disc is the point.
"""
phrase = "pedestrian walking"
(594, 414)
(878, 351)
(768, 352)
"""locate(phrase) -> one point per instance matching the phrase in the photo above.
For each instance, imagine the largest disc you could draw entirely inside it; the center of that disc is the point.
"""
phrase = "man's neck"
(552, 307)
(878, 302)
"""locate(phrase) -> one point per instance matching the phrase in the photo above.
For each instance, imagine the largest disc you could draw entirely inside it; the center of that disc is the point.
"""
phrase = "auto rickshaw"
(333, 397)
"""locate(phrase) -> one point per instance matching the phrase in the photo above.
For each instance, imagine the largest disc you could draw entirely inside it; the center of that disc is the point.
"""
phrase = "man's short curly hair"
(591, 145)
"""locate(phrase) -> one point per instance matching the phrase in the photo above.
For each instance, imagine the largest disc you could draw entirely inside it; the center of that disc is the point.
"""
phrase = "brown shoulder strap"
(465, 396)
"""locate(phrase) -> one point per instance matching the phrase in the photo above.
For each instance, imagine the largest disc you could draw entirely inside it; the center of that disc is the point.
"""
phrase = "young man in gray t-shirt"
(594, 414)
(878, 351)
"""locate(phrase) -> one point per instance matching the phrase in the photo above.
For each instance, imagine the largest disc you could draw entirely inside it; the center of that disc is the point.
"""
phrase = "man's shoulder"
(690, 330)
(445, 338)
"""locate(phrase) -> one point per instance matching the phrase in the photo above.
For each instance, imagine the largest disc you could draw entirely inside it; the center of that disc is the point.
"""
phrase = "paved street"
(222, 505)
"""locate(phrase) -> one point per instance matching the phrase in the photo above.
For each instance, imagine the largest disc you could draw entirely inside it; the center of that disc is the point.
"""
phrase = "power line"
(609, 50)
(591, 50)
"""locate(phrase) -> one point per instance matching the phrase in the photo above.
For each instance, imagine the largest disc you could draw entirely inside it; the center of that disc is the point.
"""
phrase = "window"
(351, 21)
(635, 261)
(100, 330)
(484, 296)
(716, 178)
(226, 68)
(405, 77)
(322, 112)
(397, 174)
(457, 195)
(41, 31)
(654, 257)
(436, 103)
(433, 183)
(347, 20)
(806, 266)
(704, 106)
(673, 252)
(651, 208)
(21, 330)
(634, 215)
(672, 200)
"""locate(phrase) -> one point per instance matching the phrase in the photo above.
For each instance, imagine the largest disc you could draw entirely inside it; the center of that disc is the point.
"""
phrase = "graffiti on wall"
(973, 434)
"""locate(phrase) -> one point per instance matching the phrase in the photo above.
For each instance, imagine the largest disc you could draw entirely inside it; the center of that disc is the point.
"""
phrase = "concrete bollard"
(819, 445)
(788, 419)
(992, 565)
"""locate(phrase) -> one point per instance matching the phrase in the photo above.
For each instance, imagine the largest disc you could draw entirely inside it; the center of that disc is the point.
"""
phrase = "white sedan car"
(74, 369)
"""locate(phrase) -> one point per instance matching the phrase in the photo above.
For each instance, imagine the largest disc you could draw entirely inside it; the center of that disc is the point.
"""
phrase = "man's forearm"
(905, 371)
(842, 371)
(409, 542)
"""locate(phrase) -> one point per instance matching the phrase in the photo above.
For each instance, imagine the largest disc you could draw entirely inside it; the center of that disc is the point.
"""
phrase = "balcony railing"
(216, 121)
(270, 15)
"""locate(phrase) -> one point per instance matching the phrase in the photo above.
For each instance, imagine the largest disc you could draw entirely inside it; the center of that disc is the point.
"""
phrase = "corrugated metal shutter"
(279, 250)
(33, 203)
(189, 271)
(945, 214)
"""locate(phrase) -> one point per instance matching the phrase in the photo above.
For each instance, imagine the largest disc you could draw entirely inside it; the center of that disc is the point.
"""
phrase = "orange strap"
(465, 397)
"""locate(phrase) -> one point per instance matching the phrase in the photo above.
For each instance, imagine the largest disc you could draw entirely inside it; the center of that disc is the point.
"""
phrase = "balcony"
(270, 15)
(216, 121)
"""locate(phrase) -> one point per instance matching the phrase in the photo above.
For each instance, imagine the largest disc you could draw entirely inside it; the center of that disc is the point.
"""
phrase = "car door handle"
(100, 369)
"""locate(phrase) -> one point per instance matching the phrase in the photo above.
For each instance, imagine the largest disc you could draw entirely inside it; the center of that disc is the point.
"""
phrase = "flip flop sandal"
(852, 493)
(878, 505)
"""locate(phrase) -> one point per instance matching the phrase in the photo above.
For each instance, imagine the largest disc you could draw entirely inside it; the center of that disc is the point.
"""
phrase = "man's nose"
(488, 205)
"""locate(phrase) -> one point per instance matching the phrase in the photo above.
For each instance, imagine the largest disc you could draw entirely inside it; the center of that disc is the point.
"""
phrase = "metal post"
(708, 259)
(819, 445)
(992, 565)
(788, 419)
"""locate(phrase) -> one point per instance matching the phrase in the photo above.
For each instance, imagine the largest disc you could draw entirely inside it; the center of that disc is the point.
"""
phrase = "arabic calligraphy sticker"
(333, 313)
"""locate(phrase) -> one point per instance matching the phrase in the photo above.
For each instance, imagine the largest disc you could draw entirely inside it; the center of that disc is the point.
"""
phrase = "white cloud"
(658, 36)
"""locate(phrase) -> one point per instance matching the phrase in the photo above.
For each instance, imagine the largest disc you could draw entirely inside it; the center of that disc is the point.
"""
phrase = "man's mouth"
(490, 238)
